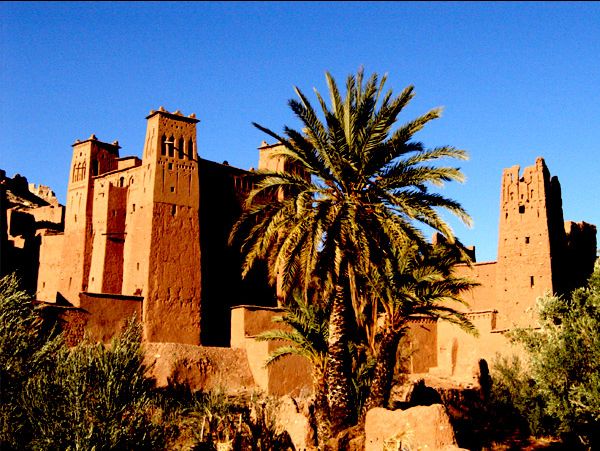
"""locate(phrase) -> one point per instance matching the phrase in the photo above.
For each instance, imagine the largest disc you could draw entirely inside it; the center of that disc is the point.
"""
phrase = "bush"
(560, 391)
(94, 397)
(28, 345)
(53, 397)
(236, 423)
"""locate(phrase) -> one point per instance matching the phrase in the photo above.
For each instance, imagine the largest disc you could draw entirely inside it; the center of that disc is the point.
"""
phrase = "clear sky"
(516, 80)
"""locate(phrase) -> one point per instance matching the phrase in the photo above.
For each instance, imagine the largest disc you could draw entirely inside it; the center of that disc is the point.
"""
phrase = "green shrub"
(236, 423)
(52, 397)
(27, 346)
(560, 391)
(94, 397)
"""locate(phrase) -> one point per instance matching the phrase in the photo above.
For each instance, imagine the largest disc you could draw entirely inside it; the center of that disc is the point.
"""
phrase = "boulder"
(199, 367)
(290, 419)
(421, 427)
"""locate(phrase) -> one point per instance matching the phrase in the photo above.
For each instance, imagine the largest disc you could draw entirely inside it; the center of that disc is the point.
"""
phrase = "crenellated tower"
(530, 241)
(91, 158)
(162, 248)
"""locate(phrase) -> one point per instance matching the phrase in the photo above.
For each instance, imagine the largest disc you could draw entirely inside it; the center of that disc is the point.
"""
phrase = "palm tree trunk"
(339, 382)
(321, 408)
(384, 372)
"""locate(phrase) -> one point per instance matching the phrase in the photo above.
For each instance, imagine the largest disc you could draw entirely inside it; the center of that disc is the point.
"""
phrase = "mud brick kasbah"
(149, 237)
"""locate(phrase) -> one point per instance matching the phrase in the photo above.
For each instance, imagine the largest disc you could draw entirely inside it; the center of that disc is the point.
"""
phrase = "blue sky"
(516, 80)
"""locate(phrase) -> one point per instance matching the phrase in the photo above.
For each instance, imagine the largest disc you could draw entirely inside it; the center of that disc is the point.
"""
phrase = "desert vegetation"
(343, 232)
(556, 390)
(96, 396)
(342, 236)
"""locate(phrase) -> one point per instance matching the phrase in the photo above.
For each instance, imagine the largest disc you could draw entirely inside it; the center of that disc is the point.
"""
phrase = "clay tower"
(162, 249)
(90, 158)
(530, 233)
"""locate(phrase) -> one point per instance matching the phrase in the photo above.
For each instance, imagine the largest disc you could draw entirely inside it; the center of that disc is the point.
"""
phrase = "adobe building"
(538, 253)
(148, 237)
(27, 212)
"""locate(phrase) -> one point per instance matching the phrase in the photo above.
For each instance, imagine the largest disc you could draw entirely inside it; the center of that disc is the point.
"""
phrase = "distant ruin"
(538, 253)
(149, 237)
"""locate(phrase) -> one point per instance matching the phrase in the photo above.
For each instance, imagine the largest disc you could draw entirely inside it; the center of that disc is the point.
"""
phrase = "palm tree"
(413, 283)
(305, 334)
(366, 185)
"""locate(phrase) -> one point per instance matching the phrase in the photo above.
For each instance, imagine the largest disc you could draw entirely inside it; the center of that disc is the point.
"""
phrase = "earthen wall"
(50, 265)
(482, 296)
(172, 303)
(108, 314)
(422, 338)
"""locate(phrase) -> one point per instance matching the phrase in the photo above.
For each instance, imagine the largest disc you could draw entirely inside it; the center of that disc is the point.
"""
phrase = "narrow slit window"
(531, 281)
(171, 145)
(180, 149)
(190, 150)
(163, 145)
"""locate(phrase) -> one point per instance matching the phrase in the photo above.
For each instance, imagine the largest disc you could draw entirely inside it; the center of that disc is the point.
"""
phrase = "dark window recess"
(521, 208)
(531, 281)
(526, 240)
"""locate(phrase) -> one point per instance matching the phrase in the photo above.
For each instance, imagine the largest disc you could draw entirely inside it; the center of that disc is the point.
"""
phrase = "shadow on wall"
(222, 286)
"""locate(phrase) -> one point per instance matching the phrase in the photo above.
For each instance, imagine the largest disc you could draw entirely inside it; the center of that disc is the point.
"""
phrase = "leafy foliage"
(358, 186)
(27, 346)
(560, 391)
(99, 397)
(305, 334)
(222, 422)
(53, 397)
(94, 396)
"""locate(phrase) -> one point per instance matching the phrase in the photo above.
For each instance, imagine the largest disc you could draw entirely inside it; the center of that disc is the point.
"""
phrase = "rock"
(351, 439)
(290, 419)
(421, 427)
(200, 367)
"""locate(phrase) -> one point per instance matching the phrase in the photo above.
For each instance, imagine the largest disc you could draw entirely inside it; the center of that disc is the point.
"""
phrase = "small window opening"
(133, 207)
(180, 149)
(138, 266)
(526, 240)
(163, 145)
(172, 189)
(521, 209)
(122, 182)
(506, 215)
(190, 149)
(95, 168)
(43, 284)
(170, 145)
(173, 210)
(531, 281)
(170, 165)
